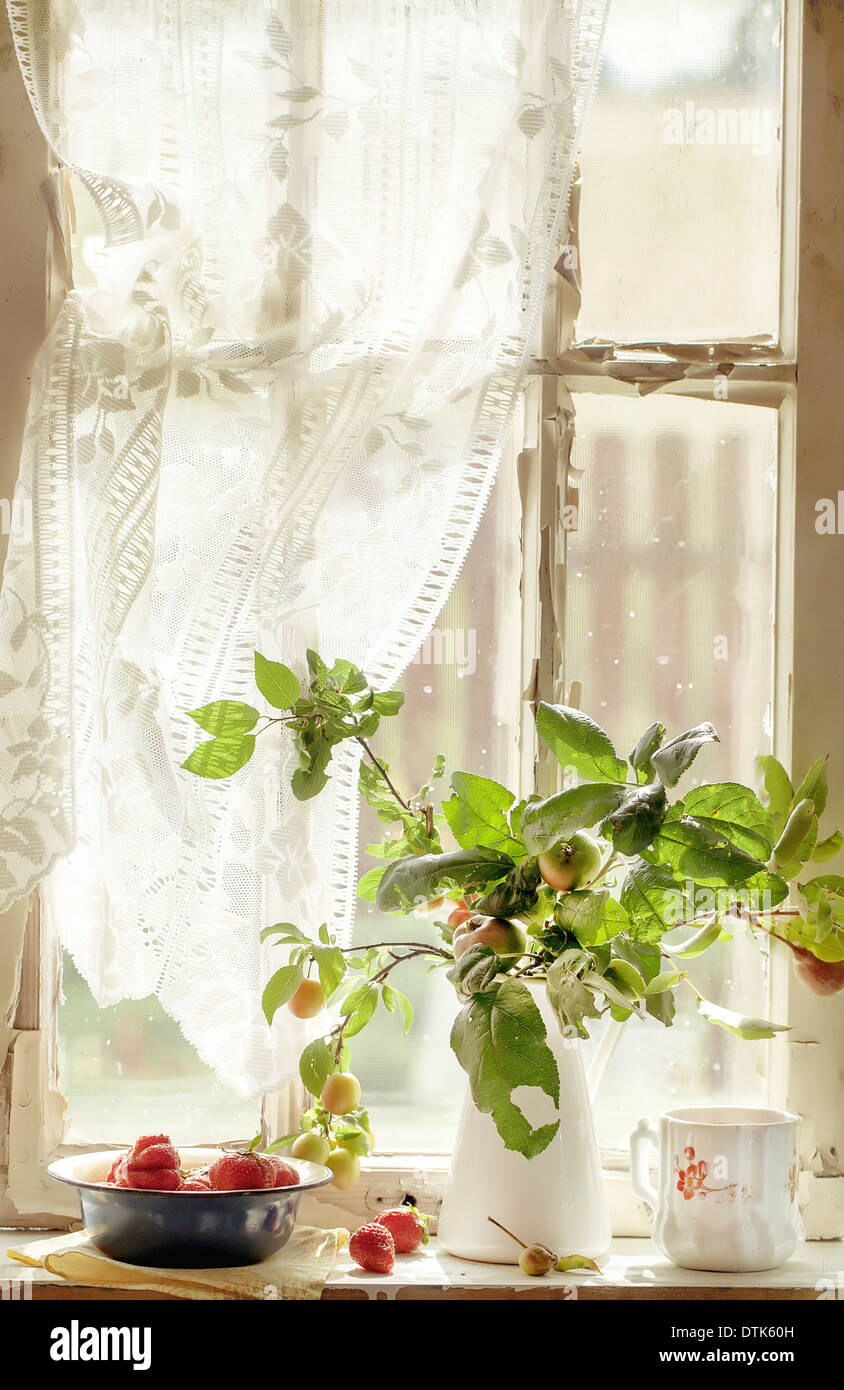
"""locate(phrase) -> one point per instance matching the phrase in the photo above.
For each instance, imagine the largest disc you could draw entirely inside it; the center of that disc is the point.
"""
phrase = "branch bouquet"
(583, 891)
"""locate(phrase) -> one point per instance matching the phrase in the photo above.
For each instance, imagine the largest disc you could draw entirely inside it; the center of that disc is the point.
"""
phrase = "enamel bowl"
(184, 1230)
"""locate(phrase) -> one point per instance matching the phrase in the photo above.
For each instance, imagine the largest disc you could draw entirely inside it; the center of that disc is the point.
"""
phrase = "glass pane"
(679, 216)
(670, 589)
(462, 701)
(127, 1070)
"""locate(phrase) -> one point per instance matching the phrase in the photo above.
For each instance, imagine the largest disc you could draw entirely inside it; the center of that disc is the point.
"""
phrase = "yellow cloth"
(298, 1271)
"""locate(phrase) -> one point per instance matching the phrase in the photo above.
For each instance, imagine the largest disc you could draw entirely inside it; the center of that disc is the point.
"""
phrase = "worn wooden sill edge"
(634, 1270)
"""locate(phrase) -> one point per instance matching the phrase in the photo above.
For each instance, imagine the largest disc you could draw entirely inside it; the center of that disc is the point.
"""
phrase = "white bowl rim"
(61, 1170)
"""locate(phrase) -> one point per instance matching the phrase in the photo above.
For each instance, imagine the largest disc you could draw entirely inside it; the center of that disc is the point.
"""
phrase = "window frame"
(802, 1071)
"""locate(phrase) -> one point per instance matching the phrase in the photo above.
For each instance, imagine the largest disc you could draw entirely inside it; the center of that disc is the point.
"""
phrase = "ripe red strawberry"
(155, 1179)
(236, 1172)
(197, 1181)
(117, 1171)
(152, 1163)
(406, 1227)
(373, 1248)
(284, 1174)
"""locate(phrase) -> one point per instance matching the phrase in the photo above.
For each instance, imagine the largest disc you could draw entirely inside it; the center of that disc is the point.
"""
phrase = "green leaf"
(743, 1026)
(653, 899)
(571, 1000)
(567, 1262)
(499, 1040)
(626, 978)
(421, 877)
(515, 894)
(368, 886)
(700, 941)
(225, 717)
(476, 814)
(775, 789)
(276, 683)
(576, 741)
(331, 967)
(706, 856)
(475, 970)
(731, 809)
(353, 1138)
(665, 980)
(593, 915)
(361, 1012)
(673, 758)
(640, 758)
(387, 702)
(221, 757)
(348, 678)
(279, 988)
(645, 956)
(286, 932)
(661, 1006)
(405, 1008)
(633, 824)
(316, 1065)
(828, 848)
(543, 823)
(314, 756)
(317, 669)
(815, 786)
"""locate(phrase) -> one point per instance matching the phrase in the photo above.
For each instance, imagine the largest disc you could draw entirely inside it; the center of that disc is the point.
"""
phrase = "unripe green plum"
(571, 863)
(505, 938)
(345, 1166)
(311, 1146)
(341, 1093)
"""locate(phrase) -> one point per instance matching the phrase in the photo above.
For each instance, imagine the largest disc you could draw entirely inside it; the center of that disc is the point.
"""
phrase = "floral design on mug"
(691, 1179)
(793, 1178)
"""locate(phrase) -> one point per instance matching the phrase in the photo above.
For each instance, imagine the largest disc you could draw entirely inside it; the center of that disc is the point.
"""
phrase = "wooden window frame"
(804, 1067)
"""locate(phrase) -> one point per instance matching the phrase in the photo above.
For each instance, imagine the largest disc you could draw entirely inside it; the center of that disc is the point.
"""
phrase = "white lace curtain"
(317, 235)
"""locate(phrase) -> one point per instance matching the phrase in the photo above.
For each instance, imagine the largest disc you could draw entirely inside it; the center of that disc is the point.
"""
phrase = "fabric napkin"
(298, 1271)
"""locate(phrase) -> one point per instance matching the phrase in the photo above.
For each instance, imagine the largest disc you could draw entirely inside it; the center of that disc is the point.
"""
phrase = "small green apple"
(505, 938)
(571, 863)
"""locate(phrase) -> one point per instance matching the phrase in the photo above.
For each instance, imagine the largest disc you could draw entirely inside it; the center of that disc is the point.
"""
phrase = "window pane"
(462, 701)
(127, 1070)
(670, 588)
(679, 217)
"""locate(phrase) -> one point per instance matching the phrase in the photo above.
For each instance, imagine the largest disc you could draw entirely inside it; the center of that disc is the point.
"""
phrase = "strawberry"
(197, 1181)
(238, 1172)
(155, 1179)
(407, 1227)
(284, 1174)
(152, 1163)
(117, 1172)
(373, 1248)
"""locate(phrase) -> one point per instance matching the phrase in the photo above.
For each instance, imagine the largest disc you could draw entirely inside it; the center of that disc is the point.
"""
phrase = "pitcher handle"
(644, 1137)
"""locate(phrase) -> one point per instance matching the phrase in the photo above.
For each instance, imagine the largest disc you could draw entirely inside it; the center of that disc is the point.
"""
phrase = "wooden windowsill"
(634, 1270)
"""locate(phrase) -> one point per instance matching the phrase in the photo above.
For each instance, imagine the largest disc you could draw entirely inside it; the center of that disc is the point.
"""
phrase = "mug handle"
(644, 1137)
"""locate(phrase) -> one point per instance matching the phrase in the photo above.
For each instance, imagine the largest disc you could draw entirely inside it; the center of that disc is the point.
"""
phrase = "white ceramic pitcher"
(556, 1198)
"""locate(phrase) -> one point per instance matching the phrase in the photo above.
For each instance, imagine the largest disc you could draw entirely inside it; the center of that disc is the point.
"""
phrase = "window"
(672, 594)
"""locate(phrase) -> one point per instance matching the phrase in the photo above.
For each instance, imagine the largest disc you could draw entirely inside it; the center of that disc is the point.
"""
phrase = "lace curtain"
(318, 237)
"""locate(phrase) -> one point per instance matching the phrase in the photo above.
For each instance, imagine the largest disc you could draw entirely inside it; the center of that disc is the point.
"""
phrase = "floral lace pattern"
(283, 394)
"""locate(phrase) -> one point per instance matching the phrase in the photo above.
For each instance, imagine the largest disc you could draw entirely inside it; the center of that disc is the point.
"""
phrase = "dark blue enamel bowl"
(185, 1230)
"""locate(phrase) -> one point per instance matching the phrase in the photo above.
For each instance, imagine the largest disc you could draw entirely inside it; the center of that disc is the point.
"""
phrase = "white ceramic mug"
(726, 1195)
